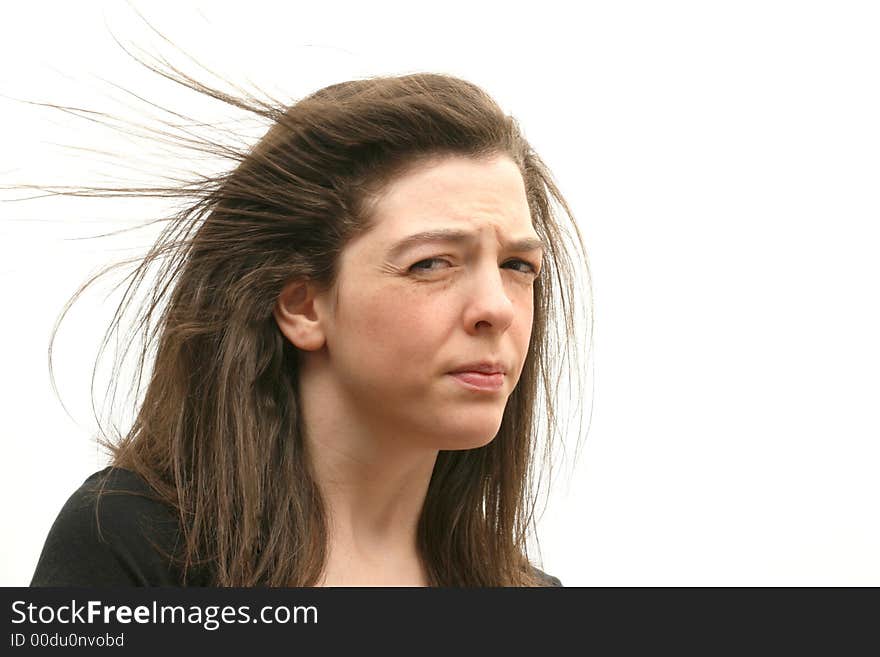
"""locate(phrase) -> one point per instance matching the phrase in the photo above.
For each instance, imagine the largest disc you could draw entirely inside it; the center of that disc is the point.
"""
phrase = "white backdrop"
(722, 162)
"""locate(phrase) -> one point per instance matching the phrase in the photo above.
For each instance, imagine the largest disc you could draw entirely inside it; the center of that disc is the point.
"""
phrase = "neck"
(373, 484)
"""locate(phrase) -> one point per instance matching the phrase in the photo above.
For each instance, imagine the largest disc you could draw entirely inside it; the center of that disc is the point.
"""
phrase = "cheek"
(523, 311)
(528, 313)
(521, 329)
(397, 327)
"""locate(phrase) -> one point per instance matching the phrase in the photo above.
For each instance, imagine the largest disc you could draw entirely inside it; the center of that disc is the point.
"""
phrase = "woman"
(352, 334)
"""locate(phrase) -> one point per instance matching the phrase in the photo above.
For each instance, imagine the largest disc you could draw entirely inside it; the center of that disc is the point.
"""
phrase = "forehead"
(480, 196)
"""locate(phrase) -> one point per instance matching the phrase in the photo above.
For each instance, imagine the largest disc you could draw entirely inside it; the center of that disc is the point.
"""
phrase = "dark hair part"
(218, 433)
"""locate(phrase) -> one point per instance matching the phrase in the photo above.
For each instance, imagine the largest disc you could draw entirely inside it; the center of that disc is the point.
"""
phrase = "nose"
(489, 304)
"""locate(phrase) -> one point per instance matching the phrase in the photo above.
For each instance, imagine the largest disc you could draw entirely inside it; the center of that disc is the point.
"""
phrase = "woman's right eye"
(417, 266)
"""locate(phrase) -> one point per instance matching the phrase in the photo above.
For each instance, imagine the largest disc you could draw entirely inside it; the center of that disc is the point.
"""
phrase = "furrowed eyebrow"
(458, 237)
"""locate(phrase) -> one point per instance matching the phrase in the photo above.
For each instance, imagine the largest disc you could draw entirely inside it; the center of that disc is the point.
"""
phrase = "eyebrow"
(458, 237)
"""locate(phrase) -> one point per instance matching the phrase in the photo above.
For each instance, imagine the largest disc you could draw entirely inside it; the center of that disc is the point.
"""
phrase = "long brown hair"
(218, 431)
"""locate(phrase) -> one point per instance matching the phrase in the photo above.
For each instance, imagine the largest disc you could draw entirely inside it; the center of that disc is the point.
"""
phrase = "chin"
(459, 439)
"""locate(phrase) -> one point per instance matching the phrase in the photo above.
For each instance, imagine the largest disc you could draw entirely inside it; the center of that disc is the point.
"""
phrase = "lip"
(480, 376)
(491, 382)
(481, 367)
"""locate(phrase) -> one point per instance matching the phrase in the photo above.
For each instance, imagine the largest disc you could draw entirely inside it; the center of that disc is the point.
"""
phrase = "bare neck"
(373, 484)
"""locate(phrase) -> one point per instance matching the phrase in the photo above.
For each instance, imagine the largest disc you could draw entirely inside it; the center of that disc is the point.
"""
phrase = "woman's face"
(410, 310)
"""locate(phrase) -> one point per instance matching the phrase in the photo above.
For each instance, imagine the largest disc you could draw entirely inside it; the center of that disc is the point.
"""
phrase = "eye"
(523, 266)
(529, 267)
(417, 267)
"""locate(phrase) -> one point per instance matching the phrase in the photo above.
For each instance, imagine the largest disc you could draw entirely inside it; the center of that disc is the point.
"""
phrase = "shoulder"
(111, 531)
(545, 579)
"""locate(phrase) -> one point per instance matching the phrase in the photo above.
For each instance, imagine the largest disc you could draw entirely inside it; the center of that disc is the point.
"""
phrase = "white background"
(722, 160)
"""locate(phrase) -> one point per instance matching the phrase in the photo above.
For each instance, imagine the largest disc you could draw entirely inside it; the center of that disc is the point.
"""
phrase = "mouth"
(480, 381)
(482, 367)
(480, 376)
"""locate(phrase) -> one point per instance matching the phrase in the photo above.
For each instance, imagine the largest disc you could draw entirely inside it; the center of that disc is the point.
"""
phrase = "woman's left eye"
(530, 268)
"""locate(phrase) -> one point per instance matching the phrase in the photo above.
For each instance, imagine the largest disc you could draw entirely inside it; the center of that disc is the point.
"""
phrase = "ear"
(296, 314)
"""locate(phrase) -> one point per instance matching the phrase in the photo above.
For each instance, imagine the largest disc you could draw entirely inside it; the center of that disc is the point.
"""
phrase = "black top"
(121, 539)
